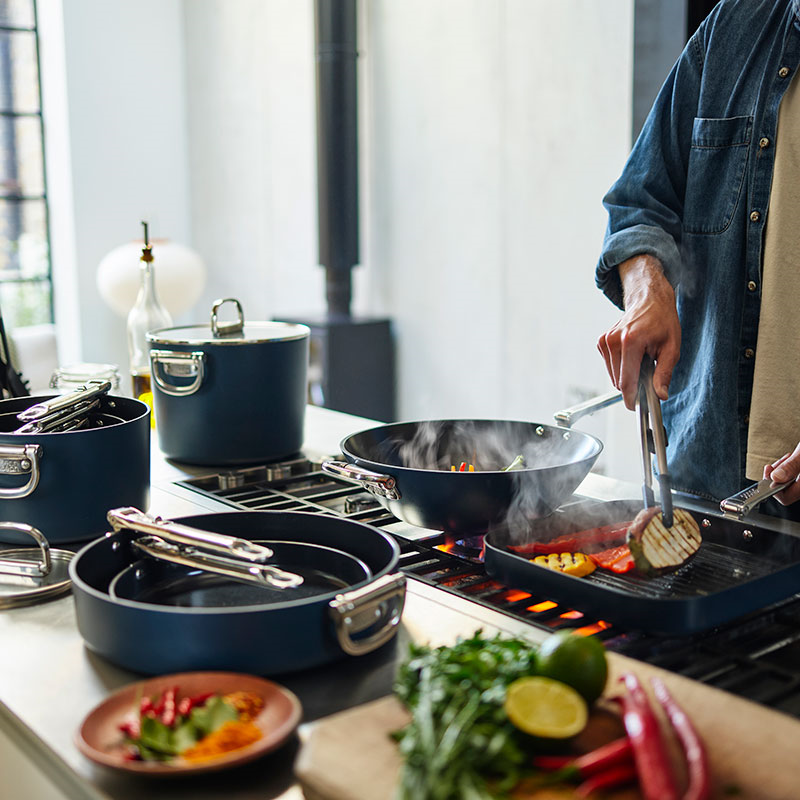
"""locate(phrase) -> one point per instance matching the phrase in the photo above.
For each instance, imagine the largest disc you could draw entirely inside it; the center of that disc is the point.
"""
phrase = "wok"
(271, 637)
(407, 466)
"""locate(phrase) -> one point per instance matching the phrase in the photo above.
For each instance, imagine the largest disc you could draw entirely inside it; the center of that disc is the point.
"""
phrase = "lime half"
(545, 707)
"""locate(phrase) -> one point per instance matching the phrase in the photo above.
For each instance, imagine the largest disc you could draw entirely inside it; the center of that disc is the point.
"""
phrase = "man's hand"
(784, 470)
(649, 325)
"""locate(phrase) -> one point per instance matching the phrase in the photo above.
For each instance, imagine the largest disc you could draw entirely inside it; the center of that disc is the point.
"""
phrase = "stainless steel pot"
(230, 392)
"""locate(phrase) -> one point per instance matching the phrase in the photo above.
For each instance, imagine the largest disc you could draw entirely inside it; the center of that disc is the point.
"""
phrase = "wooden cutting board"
(753, 751)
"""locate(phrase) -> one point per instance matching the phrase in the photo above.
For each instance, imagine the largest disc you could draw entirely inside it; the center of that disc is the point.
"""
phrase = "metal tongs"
(66, 412)
(654, 441)
(231, 556)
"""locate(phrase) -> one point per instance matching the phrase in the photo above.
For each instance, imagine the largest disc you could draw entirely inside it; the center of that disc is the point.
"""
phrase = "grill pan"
(739, 568)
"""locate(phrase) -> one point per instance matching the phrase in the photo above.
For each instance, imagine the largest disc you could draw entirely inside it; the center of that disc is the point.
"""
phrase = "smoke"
(555, 461)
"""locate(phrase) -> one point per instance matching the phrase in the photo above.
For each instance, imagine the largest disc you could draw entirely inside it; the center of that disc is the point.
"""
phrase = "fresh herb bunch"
(460, 743)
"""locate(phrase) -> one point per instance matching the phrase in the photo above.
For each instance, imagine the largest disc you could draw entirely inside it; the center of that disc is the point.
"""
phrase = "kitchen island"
(49, 681)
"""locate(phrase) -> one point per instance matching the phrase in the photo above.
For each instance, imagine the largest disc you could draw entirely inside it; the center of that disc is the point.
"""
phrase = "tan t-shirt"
(775, 404)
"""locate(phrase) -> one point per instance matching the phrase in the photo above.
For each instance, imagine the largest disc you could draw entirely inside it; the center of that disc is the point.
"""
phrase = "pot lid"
(32, 574)
(229, 333)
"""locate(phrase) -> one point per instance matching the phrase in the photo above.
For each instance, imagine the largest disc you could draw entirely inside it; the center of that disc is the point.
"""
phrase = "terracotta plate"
(100, 740)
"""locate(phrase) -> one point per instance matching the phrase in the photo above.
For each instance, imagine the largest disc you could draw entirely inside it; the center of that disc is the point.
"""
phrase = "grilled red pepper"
(699, 787)
(656, 778)
(580, 541)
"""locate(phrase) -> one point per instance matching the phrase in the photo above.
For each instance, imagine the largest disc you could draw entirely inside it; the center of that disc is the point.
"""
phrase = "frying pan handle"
(742, 503)
(360, 609)
(17, 459)
(375, 482)
(569, 415)
(232, 546)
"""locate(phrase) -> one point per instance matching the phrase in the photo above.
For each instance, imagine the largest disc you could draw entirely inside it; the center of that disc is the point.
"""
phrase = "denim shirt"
(695, 193)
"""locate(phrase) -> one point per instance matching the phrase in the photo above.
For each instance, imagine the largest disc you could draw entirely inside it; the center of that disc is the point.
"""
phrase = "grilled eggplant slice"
(656, 548)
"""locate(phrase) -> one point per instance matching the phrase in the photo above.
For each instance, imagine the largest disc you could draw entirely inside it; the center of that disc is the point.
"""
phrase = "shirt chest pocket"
(715, 178)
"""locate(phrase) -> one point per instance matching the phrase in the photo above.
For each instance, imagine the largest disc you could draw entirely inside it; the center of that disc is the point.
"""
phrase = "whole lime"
(579, 661)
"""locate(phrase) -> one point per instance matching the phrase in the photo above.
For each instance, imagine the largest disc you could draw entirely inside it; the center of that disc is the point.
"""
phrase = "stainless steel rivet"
(115, 546)
(747, 534)
(540, 431)
(706, 523)
(25, 464)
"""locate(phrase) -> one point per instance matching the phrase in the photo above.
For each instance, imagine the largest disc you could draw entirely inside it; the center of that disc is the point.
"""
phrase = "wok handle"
(17, 459)
(742, 503)
(362, 608)
(232, 546)
(375, 482)
(569, 415)
(180, 365)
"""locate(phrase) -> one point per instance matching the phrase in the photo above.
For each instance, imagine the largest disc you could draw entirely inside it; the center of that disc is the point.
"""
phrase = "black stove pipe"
(337, 148)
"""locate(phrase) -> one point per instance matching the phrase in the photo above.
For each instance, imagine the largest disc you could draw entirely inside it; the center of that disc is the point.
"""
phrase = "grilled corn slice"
(576, 564)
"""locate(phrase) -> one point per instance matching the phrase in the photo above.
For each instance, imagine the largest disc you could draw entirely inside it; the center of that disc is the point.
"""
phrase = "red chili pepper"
(699, 787)
(169, 712)
(656, 779)
(609, 779)
(131, 728)
(625, 564)
(620, 751)
(186, 704)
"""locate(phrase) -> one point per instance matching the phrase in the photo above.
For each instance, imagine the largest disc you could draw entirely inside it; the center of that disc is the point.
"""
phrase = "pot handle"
(375, 482)
(572, 414)
(180, 365)
(17, 459)
(361, 608)
(227, 328)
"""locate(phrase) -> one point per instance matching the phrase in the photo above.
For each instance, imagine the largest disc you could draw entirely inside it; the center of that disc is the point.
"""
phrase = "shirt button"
(755, 216)
(783, 72)
(752, 286)
(749, 352)
(763, 142)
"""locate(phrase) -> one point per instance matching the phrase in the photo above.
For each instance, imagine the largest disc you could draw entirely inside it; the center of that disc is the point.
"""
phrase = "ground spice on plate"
(230, 736)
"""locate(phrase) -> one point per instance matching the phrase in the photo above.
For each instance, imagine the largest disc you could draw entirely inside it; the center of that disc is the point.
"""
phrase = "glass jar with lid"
(71, 376)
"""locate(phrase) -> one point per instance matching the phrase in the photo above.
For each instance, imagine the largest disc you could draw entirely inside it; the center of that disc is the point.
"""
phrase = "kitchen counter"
(49, 681)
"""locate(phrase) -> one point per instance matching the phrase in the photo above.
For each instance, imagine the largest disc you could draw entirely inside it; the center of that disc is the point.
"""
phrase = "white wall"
(115, 130)
(489, 133)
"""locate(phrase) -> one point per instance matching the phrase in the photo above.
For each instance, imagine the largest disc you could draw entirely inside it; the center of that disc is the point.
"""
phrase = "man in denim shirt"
(685, 242)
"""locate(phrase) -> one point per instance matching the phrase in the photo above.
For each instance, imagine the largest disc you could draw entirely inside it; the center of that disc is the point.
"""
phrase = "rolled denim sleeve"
(645, 205)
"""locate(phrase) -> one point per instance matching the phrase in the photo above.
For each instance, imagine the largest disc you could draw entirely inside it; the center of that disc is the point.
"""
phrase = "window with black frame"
(25, 270)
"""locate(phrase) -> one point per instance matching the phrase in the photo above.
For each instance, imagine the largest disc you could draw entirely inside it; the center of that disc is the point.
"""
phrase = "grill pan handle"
(232, 546)
(742, 503)
(362, 608)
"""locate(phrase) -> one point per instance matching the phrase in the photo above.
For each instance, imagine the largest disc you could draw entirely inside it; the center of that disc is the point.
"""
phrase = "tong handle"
(44, 410)
(654, 439)
(232, 546)
(262, 574)
(742, 503)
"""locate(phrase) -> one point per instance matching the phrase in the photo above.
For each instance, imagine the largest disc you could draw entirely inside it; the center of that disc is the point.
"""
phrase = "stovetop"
(756, 656)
